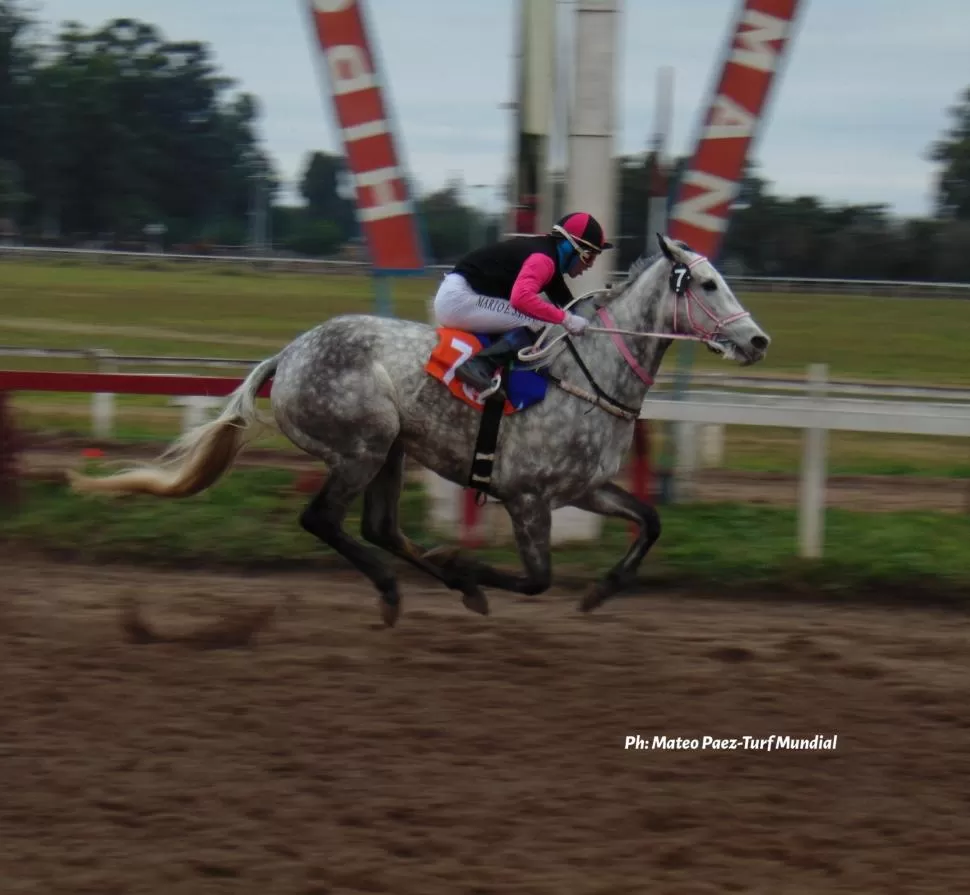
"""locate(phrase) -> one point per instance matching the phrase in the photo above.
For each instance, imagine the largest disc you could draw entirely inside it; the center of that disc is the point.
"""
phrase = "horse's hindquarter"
(343, 380)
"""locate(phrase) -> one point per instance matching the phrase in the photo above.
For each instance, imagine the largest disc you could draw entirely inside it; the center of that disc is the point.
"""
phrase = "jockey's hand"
(574, 324)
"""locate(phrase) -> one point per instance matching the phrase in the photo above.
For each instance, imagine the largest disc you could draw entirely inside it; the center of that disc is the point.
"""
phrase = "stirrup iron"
(496, 384)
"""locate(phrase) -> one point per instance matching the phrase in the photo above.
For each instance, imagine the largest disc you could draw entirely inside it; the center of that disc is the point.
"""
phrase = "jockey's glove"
(574, 324)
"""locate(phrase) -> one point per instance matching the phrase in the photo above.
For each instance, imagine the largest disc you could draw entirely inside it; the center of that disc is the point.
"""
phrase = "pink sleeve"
(537, 271)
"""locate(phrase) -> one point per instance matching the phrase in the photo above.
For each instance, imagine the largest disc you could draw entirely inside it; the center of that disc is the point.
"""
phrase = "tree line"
(110, 130)
(107, 133)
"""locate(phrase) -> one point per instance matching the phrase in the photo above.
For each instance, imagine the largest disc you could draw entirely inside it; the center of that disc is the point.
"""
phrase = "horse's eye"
(709, 286)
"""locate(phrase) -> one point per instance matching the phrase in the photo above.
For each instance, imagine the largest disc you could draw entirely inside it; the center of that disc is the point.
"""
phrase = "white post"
(686, 435)
(103, 404)
(712, 445)
(811, 499)
(591, 184)
(195, 409)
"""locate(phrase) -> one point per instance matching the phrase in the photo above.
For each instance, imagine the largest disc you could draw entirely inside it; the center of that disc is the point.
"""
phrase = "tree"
(452, 227)
(115, 128)
(17, 59)
(322, 185)
(953, 150)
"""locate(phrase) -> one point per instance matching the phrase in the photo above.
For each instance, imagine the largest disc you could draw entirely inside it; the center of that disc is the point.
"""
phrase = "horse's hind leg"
(532, 523)
(380, 525)
(324, 517)
(612, 500)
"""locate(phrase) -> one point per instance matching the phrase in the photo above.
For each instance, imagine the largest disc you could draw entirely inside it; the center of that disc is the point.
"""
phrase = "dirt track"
(458, 754)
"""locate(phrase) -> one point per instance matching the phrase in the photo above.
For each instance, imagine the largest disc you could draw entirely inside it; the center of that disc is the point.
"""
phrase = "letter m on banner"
(758, 43)
(384, 206)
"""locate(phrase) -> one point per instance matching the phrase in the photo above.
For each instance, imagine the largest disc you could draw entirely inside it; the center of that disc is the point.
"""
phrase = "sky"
(859, 101)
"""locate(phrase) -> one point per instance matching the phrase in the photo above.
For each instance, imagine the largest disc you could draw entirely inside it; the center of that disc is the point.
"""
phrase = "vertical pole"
(657, 190)
(383, 299)
(470, 538)
(811, 500)
(9, 486)
(103, 403)
(641, 485)
(591, 186)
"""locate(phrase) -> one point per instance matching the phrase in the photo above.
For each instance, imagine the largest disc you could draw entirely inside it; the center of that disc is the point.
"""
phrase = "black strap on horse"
(597, 303)
(483, 459)
(596, 388)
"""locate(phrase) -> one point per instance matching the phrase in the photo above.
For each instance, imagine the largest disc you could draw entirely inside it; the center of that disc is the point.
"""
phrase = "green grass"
(185, 310)
(859, 337)
(250, 519)
(898, 339)
(779, 450)
(264, 309)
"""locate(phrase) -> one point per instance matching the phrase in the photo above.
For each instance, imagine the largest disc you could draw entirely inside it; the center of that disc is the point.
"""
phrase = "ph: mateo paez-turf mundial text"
(660, 742)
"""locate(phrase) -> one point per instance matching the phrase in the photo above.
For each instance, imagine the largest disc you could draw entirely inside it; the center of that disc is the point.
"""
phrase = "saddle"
(524, 386)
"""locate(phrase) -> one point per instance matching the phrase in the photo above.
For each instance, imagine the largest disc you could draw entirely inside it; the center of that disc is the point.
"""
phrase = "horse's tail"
(199, 458)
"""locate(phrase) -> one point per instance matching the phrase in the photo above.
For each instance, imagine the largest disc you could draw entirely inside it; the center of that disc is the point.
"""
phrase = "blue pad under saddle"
(524, 387)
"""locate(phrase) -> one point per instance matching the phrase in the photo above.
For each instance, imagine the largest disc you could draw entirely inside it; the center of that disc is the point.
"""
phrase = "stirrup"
(495, 385)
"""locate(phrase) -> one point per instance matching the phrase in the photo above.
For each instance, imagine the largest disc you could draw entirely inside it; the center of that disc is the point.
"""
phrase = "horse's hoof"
(390, 608)
(594, 598)
(389, 613)
(475, 601)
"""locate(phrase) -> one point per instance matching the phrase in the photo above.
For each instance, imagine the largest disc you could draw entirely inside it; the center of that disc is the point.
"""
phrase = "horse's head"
(698, 302)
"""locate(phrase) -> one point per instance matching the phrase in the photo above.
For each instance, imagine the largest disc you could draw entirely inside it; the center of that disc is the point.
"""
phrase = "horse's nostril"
(760, 343)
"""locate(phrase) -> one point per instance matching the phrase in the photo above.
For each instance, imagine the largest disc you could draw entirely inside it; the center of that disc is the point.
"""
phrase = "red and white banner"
(384, 207)
(762, 35)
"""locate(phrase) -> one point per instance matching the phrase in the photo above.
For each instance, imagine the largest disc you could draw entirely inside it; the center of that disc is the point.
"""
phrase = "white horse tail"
(199, 458)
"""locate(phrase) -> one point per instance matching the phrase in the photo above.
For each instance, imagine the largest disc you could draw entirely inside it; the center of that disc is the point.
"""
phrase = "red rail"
(215, 387)
(106, 383)
(121, 383)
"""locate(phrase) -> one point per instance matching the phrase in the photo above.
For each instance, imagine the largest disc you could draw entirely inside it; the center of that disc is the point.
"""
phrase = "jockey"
(495, 289)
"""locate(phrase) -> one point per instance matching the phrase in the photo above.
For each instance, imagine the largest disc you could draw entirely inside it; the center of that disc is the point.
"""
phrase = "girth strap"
(483, 459)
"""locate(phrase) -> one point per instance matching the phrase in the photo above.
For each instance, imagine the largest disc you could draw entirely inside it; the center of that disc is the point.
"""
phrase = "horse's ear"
(669, 255)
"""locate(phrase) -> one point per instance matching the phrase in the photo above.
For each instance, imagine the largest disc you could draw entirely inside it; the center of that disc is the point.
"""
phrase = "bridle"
(681, 277)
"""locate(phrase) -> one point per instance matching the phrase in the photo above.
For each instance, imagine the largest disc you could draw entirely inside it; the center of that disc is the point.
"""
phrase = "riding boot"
(478, 371)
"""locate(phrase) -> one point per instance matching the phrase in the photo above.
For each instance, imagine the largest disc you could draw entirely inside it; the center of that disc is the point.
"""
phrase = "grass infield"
(250, 520)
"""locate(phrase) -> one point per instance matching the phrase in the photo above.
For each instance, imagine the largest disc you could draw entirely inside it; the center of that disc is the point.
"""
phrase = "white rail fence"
(813, 405)
(280, 262)
(816, 414)
(706, 438)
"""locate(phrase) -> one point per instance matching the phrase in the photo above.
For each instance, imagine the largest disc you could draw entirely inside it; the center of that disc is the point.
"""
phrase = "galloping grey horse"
(353, 392)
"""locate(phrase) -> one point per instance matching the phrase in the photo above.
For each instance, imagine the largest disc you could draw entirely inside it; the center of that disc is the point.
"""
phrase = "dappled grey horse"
(354, 392)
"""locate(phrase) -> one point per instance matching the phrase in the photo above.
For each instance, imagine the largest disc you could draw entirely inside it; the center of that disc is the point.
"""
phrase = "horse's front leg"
(531, 518)
(612, 500)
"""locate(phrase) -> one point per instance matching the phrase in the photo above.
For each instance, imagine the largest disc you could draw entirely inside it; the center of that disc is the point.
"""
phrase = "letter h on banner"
(384, 207)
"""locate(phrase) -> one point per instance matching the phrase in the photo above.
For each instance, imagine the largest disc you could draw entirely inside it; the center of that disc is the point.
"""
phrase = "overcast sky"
(863, 95)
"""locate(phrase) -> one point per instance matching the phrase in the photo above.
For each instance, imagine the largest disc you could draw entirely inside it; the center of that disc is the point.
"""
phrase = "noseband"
(680, 280)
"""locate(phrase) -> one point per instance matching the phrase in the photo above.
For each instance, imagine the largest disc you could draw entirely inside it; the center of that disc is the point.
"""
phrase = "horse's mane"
(613, 291)
(643, 263)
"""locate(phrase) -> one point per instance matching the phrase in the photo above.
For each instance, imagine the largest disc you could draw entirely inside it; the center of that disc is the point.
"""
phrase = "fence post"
(686, 435)
(103, 404)
(811, 499)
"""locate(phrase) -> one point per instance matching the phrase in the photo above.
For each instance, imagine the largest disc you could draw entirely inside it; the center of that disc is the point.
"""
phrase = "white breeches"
(458, 305)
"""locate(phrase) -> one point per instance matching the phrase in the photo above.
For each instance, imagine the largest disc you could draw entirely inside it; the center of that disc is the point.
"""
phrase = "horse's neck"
(634, 311)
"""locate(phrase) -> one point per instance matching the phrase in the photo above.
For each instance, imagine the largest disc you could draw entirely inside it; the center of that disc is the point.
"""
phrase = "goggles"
(586, 250)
